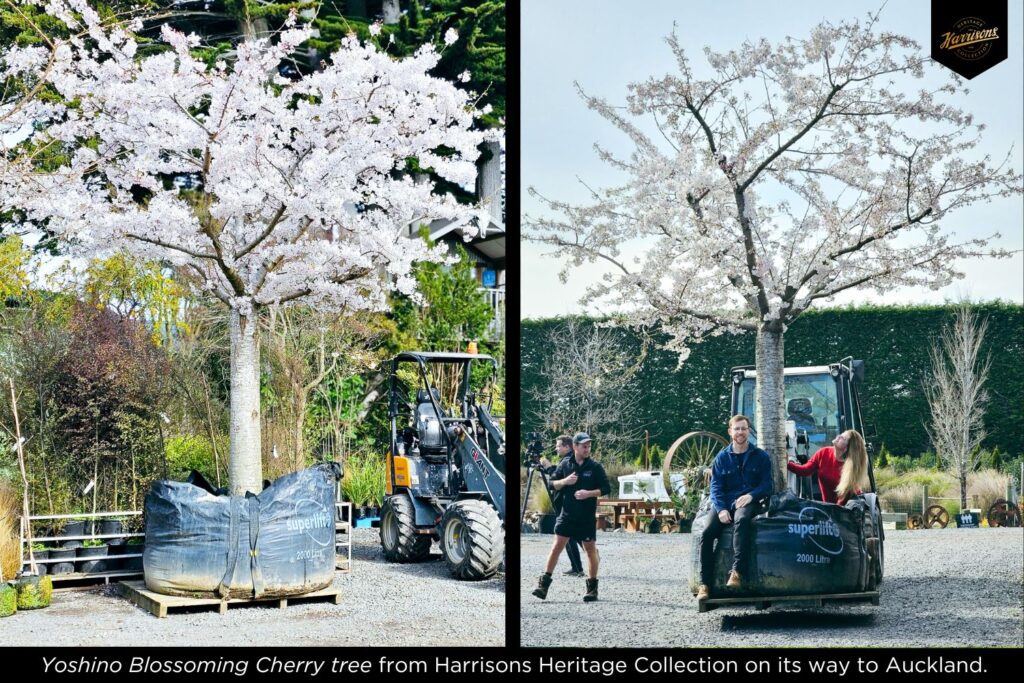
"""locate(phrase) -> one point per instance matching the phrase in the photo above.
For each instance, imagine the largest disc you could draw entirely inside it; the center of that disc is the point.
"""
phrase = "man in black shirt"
(581, 481)
(563, 446)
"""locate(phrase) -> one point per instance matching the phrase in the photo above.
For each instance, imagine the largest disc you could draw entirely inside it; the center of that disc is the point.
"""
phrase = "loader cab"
(821, 400)
(429, 391)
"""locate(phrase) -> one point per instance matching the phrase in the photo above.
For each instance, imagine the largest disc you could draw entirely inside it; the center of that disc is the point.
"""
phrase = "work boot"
(541, 591)
(703, 592)
(735, 581)
(591, 594)
(573, 572)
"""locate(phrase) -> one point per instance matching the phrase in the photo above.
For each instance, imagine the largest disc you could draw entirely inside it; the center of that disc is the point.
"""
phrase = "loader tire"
(472, 540)
(398, 534)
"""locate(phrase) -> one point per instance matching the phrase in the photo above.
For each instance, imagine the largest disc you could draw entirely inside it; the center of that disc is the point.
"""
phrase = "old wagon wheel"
(690, 451)
(1003, 513)
(915, 521)
(936, 517)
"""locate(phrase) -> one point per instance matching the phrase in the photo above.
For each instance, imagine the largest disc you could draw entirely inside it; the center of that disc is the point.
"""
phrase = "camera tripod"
(533, 468)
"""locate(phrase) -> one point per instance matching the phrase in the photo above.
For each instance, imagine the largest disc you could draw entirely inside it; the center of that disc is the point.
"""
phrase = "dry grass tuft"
(10, 515)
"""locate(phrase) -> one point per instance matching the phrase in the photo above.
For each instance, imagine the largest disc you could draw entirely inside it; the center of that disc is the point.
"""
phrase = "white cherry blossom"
(798, 171)
(267, 190)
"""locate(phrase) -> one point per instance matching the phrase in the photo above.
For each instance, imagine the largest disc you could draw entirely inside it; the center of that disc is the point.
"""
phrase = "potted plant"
(91, 549)
(40, 551)
(111, 526)
(135, 545)
(73, 527)
(8, 599)
(62, 554)
(33, 591)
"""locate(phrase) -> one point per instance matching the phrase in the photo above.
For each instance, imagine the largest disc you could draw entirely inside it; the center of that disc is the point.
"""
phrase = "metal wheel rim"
(936, 515)
(693, 449)
(389, 527)
(1003, 514)
(455, 533)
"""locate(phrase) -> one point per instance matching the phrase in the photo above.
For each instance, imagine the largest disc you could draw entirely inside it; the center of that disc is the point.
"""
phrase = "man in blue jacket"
(741, 477)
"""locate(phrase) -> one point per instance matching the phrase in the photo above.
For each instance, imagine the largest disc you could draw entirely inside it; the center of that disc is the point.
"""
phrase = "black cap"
(581, 437)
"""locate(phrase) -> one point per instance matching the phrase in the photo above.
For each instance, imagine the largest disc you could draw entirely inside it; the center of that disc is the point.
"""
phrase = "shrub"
(903, 498)
(363, 483)
(985, 487)
(191, 452)
(929, 460)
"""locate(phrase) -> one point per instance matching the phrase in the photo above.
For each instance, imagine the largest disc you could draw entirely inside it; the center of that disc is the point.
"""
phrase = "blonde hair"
(855, 467)
(736, 418)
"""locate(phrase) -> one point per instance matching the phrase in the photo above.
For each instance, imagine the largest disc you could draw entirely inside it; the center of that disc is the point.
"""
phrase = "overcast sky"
(606, 44)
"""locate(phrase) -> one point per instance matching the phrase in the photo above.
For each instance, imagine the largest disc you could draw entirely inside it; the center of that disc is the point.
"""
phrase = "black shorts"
(576, 528)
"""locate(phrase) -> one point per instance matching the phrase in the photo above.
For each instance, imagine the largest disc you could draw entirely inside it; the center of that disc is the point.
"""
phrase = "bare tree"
(590, 385)
(956, 395)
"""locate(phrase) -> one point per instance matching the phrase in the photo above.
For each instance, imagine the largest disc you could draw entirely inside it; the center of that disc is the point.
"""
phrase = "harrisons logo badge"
(970, 38)
(308, 517)
(969, 41)
(817, 527)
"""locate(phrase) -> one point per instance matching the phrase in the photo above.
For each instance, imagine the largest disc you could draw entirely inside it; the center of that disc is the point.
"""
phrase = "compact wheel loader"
(445, 465)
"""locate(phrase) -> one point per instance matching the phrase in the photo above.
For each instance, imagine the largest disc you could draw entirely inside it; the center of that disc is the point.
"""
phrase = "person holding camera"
(581, 481)
(563, 447)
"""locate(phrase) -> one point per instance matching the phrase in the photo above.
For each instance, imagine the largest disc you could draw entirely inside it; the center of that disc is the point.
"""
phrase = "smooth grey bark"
(245, 466)
(488, 180)
(392, 12)
(254, 27)
(770, 399)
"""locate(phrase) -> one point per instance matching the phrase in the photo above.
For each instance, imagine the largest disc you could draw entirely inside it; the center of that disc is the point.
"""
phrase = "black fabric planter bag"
(799, 547)
(275, 544)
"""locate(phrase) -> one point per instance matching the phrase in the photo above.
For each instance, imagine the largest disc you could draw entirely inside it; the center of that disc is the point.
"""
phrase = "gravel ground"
(942, 587)
(381, 604)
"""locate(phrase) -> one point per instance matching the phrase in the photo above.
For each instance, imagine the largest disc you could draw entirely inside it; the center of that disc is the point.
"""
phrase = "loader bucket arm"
(478, 471)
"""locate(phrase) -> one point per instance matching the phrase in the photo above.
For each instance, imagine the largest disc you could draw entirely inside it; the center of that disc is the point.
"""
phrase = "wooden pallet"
(158, 604)
(342, 564)
(807, 600)
(79, 580)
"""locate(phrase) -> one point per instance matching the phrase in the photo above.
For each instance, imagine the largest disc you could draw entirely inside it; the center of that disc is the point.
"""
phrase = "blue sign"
(968, 520)
(489, 278)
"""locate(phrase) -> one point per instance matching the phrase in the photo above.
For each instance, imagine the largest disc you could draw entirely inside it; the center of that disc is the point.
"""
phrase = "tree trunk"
(254, 27)
(488, 180)
(392, 12)
(245, 467)
(300, 419)
(770, 398)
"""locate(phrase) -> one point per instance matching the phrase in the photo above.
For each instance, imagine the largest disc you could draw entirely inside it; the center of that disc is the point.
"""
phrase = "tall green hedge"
(893, 340)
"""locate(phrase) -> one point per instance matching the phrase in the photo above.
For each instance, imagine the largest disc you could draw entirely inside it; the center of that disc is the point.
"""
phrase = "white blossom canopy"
(799, 170)
(295, 190)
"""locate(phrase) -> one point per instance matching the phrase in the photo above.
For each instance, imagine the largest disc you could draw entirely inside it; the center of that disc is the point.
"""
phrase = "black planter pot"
(62, 567)
(86, 562)
(115, 548)
(41, 567)
(133, 563)
(71, 545)
(111, 526)
(75, 527)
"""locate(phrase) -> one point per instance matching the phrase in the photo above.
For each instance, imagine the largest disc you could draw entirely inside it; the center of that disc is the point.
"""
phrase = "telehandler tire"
(398, 534)
(472, 540)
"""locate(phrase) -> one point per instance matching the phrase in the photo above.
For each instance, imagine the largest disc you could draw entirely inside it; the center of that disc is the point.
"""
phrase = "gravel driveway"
(381, 604)
(942, 587)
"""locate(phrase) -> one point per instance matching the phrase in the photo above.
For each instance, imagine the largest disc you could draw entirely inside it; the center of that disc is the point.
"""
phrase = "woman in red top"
(840, 467)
